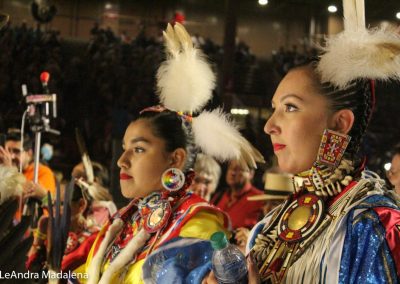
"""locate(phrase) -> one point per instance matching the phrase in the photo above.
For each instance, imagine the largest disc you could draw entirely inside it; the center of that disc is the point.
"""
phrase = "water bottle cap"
(218, 240)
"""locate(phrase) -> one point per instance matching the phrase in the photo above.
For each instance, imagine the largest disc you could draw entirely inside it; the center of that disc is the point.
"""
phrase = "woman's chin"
(290, 169)
(129, 193)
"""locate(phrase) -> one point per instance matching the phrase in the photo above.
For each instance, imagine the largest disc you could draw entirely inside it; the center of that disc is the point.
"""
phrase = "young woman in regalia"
(162, 236)
(341, 225)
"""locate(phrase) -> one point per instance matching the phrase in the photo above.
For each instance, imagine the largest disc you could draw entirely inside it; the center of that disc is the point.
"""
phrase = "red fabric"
(390, 219)
(243, 213)
(31, 260)
(78, 257)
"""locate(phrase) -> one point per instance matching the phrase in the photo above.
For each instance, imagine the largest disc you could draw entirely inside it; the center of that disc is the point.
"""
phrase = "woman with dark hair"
(341, 225)
(162, 236)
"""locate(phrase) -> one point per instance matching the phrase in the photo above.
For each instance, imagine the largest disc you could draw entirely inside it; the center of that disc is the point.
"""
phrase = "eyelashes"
(139, 150)
(290, 107)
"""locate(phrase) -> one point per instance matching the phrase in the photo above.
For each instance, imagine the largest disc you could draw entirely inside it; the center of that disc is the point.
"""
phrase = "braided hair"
(358, 97)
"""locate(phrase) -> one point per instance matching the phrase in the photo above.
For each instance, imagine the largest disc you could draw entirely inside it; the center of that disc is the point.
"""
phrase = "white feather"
(373, 54)
(125, 256)
(87, 165)
(171, 42)
(11, 182)
(354, 15)
(185, 80)
(217, 136)
(95, 265)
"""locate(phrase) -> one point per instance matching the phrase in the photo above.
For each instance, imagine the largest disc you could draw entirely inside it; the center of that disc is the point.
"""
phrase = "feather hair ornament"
(358, 52)
(218, 137)
(185, 80)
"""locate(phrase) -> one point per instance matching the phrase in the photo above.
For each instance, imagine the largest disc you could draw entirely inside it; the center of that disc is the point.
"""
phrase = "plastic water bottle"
(228, 262)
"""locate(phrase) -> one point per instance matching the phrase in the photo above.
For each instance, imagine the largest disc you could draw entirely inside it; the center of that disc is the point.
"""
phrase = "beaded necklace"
(319, 194)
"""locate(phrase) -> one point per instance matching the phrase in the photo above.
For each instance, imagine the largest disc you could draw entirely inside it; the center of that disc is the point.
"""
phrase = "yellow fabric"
(81, 269)
(202, 225)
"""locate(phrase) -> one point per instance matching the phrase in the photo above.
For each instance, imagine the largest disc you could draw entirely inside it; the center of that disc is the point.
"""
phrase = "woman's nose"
(270, 126)
(123, 161)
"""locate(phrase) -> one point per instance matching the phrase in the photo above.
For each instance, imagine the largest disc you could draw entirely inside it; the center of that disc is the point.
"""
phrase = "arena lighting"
(387, 166)
(108, 6)
(332, 9)
(263, 2)
(398, 15)
(240, 111)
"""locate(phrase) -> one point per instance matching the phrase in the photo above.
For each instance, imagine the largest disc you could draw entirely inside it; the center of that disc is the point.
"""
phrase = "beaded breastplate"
(301, 218)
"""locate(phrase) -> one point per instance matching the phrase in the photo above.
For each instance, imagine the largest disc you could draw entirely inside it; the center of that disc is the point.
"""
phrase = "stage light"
(263, 2)
(332, 9)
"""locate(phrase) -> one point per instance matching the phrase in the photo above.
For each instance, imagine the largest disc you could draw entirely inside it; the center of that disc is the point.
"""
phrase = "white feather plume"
(11, 182)
(354, 15)
(360, 53)
(185, 80)
(216, 135)
(87, 165)
(125, 256)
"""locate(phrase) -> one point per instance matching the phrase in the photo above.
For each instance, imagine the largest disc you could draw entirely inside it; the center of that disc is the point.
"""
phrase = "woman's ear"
(343, 121)
(178, 158)
(82, 205)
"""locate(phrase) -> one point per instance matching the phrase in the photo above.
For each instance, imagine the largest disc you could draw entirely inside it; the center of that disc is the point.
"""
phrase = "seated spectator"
(234, 199)
(11, 155)
(207, 176)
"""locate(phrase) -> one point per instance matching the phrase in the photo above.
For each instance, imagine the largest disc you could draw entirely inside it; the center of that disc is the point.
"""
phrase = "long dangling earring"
(332, 148)
(173, 179)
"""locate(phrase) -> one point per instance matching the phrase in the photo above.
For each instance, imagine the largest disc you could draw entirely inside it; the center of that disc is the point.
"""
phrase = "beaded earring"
(173, 179)
(332, 148)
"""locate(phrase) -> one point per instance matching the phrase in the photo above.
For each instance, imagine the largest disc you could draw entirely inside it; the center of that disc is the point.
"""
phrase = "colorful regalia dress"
(155, 242)
(344, 232)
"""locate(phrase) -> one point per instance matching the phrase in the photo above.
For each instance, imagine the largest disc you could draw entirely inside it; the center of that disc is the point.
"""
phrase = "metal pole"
(38, 136)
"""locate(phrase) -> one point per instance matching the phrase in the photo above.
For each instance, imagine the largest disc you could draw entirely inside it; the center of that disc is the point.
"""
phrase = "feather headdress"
(185, 80)
(185, 83)
(358, 52)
